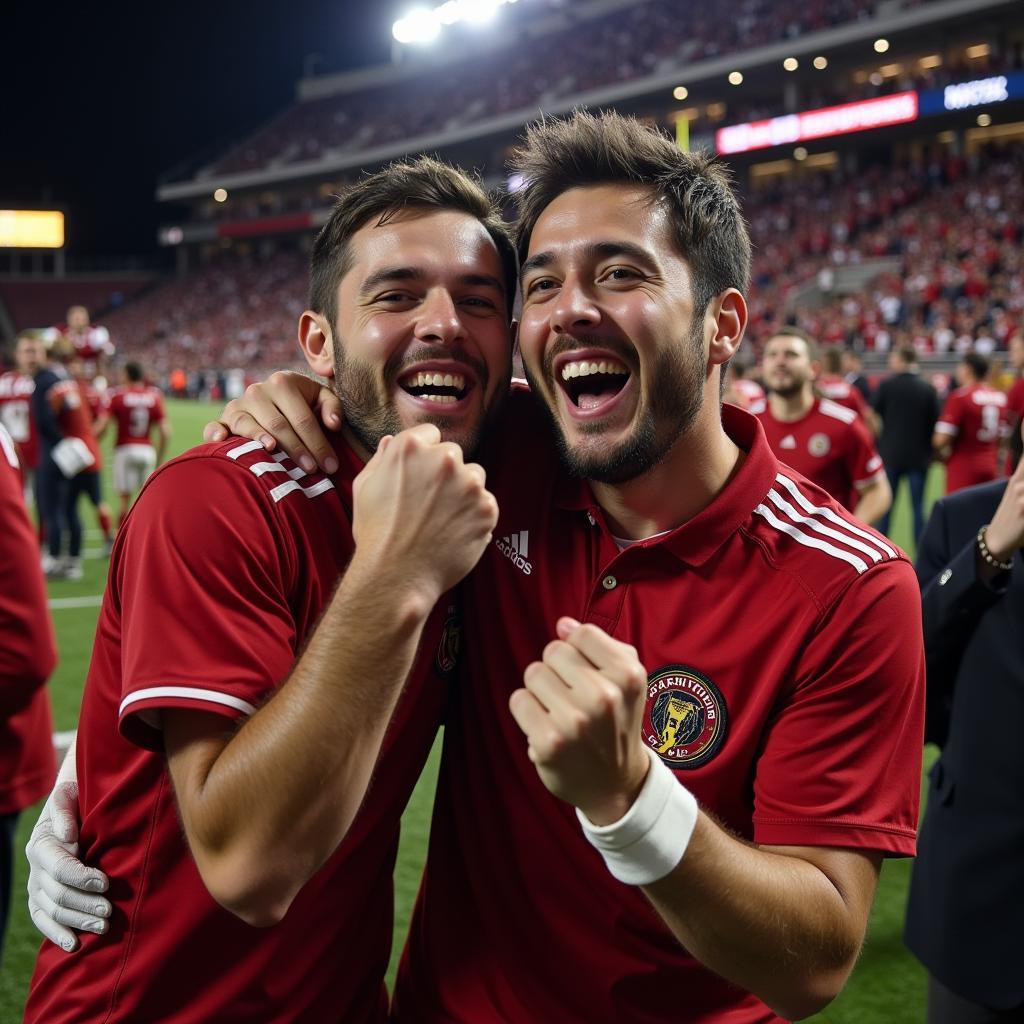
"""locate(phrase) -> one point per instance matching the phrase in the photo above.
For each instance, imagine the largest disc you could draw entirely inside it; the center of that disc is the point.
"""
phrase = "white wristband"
(649, 840)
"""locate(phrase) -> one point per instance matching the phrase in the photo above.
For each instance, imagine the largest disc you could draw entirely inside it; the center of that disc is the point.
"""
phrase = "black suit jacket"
(965, 918)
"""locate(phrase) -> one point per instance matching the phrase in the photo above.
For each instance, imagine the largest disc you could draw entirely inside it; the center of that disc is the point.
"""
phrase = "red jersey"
(842, 393)
(70, 405)
(804, 726)
(90, 343)
(1014, 415)
(217, 579)
(16, 415)
(136, 408)
(27, 649)
(829, 444)
(747, 391)
(972, 419)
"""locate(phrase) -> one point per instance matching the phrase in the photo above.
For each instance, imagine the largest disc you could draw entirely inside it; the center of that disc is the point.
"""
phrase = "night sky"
(100, 100)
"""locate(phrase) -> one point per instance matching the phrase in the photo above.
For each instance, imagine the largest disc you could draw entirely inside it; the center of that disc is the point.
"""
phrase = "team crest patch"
(686, 718)
(450, 643)
(819, 445)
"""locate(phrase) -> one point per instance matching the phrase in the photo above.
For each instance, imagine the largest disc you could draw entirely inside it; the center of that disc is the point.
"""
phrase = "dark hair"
(908, 354)
(978, 364)
(792, 331)
(422, 183)
(584, 149)
(832, 359)
(133, 372)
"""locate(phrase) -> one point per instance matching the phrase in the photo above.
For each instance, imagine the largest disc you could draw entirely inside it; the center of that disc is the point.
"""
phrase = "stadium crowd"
(619, 47)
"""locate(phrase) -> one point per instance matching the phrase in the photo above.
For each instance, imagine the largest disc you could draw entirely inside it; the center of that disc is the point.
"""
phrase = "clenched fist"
(581, 709)
(420, 509)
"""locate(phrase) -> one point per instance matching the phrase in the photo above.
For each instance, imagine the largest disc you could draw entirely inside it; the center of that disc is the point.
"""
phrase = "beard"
(370, 413)
(675, 397)
(788, 390)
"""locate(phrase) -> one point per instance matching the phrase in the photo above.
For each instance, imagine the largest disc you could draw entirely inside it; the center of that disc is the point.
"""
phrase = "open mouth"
(590, 383)
(442, 388)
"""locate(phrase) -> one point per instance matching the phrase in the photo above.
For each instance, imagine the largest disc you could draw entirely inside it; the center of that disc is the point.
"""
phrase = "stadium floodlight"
(419, 26)
(735, 77)
(984, 120)
(220, 195)
(881, 45)
(423, 25)
(800, 153)
(680, 92)
(821, 63)
(791, 63)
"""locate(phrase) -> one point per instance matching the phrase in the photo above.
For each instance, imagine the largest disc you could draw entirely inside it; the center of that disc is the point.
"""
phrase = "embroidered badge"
(685, 720)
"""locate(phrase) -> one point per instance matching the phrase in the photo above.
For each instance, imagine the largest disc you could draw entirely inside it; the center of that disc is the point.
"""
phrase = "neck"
(791, 407)
(355, 444)
(683, 484)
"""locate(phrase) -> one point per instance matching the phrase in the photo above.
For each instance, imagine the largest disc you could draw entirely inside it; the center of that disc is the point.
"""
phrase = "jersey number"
(138, 421)
(989, 423)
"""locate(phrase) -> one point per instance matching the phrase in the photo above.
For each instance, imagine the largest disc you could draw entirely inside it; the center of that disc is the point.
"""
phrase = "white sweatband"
(649, 840)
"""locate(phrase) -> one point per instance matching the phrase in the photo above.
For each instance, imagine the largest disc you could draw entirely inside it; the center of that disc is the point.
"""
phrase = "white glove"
(62, 891)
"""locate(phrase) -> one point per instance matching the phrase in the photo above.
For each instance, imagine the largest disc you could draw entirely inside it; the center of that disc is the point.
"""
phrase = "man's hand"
(287, 409)
(418, 508)
(1005, 535)
(62, 891)
(581, 711)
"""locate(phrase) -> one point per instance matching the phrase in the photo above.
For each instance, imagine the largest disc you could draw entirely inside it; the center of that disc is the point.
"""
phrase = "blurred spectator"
(908, 407)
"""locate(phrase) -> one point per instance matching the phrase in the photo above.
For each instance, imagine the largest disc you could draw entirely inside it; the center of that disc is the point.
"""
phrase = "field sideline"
(888, 985)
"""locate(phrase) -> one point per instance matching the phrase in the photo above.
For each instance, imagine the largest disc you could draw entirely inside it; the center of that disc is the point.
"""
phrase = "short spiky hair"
(584, 149)
(422, 183)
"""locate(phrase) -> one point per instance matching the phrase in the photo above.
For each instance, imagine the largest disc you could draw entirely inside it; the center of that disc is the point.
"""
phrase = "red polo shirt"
(788, 631)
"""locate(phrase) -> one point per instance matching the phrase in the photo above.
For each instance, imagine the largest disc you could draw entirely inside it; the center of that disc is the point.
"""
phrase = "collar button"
(609, 583)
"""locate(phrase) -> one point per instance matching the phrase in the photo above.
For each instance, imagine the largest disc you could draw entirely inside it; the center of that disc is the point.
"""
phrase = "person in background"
(968, 430)
(826, 442)
(138, 409)
(852, 373)
(740, 389)
(965, 914)
(91, 343)
(907, 406)
(28, 655)
(831, 384)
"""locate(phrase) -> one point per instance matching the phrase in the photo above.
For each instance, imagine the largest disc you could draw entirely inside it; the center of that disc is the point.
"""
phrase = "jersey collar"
(697, 540)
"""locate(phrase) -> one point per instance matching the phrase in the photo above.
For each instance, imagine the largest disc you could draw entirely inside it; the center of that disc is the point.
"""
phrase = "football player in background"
(832, 384)
(971, 426)
(137, 408)
(16, 387)
(740, 389)
(91, 342)
(828, 443)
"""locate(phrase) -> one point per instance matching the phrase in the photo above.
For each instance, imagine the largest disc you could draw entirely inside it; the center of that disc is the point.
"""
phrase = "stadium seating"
(619, 47)
(950, 228)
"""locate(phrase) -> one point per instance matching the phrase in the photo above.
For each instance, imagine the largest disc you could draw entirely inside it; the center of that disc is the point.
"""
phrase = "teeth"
(442, 399)
(583, 368)
(436, 380)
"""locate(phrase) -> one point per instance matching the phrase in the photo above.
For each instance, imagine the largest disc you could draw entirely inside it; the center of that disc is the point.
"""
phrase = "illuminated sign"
(818, 124)
(31, 229)
(974, 94)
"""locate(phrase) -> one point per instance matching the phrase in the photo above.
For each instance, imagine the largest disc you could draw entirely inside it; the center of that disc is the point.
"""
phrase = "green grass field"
(887, 986)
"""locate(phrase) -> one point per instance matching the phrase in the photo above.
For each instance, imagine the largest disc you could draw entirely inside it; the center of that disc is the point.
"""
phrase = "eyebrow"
(386, 274)
(595, 251)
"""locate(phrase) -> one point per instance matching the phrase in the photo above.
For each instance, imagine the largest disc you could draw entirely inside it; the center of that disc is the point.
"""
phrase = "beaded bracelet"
(987, 555)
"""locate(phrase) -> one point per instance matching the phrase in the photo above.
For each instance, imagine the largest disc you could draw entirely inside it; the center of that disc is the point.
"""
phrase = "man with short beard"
(819, 438)
(256, 637)
(679, 811)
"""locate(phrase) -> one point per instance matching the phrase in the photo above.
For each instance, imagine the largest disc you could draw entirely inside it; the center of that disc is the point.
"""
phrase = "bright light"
(876, 79)
(221, 195)
(930, 62)
(821, 63)
(423, 25)
(420, 25)
(974, 52)
(735, 77)
(890, 70)
(31, 229)
(881, 45)
(680, 92)
(984, 120)
(791, 63)
(799, 153)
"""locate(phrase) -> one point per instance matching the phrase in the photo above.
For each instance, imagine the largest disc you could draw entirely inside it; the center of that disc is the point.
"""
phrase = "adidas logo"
(516, 548)
(789, 441)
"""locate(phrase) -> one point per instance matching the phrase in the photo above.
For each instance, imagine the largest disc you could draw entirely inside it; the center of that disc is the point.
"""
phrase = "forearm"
(772, 924)
(874, 502)
(273, 804)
